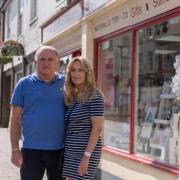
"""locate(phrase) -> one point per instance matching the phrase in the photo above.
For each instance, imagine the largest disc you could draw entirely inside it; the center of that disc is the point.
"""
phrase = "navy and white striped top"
(78, 131)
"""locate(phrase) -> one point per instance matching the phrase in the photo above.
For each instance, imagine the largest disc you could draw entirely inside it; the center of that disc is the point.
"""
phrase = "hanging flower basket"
(9, 49)
(5, 59)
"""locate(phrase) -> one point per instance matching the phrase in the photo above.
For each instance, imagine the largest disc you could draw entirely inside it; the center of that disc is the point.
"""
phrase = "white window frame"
(63, 3)
(8, 20)
(20, 16)
(33, 11)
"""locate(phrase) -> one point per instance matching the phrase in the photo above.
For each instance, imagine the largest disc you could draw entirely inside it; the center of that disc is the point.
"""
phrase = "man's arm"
(15, 131)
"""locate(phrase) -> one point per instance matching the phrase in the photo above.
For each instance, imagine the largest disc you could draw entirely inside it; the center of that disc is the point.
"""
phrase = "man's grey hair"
(44, 48)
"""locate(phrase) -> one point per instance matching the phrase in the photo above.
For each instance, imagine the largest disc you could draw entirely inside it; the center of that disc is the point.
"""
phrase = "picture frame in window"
(151, 114)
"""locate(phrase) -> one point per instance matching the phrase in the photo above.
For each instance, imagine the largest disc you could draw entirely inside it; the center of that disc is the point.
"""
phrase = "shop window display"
(114, 77)
(157, 109)
(64, 60)
(63, 64)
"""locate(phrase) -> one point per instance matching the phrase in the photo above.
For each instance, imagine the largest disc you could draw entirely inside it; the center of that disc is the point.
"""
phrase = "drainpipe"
(82, 8)
(1, 68)
(24, 65)
(12, 77)
(1, 93)
(179, 152)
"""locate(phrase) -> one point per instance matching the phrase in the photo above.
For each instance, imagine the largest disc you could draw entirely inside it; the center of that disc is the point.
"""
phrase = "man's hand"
(16, 158)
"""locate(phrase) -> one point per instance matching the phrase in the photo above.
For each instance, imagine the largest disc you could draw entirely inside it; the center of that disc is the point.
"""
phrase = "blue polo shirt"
(43, 112)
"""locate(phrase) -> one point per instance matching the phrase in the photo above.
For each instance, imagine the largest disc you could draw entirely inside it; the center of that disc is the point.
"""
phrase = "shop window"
(65, 59)
(157, 122)
(114, 80)
(18, 76)
(63, 63)
(30, 68)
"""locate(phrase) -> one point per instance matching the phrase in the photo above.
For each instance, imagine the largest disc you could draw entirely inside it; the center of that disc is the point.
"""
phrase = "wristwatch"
(87, 154)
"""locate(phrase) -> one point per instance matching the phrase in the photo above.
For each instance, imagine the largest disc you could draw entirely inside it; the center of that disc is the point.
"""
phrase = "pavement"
(7, 170)
(10, 172)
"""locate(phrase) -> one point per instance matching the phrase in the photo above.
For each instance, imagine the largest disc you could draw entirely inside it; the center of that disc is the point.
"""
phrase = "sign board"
(131, 13)
(63, 22)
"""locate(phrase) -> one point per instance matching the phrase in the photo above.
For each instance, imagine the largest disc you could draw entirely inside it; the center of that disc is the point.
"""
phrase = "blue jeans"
(35, 162)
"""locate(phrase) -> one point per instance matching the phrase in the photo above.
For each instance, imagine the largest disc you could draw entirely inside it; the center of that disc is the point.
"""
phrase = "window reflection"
(63, 64)
(114, 76)
(157, 106)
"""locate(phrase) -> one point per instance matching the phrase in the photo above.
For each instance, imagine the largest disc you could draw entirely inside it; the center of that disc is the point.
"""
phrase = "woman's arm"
(97, 125)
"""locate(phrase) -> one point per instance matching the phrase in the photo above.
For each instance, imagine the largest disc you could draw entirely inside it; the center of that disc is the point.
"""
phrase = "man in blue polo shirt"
(37, 118)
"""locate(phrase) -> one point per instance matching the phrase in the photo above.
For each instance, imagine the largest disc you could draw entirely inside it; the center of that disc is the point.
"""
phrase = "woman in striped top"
(84, 119)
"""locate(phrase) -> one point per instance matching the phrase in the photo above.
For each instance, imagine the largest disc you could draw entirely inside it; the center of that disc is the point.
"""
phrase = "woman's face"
(77, 74)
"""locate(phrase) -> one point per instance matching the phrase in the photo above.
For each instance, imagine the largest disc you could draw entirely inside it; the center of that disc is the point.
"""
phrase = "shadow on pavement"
(103, 175)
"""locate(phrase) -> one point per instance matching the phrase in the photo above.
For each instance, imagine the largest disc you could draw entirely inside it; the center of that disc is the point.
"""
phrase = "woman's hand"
(83, 166)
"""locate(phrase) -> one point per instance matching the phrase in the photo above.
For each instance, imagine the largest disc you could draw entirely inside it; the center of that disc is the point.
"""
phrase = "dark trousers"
(35, 162)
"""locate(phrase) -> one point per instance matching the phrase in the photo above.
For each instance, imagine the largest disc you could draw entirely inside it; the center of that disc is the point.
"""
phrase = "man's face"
(46, 63)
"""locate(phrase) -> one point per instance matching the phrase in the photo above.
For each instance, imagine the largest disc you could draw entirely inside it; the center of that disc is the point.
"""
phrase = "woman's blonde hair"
(89, 87)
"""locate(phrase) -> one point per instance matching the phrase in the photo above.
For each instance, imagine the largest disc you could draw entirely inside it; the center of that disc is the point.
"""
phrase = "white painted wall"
(12, 13)
(31, 35)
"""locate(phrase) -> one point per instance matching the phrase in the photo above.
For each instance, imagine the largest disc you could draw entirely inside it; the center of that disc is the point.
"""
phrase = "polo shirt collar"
(34, 77)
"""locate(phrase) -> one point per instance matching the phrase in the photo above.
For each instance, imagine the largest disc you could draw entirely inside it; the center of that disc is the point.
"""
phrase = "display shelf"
(160, 147)
(161, 121)
(167, 96)
(146, 124)
(161, 132)
(164, 98)
(157, 146)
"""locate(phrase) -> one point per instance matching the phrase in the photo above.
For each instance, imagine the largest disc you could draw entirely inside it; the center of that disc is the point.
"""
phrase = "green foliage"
(5, 59)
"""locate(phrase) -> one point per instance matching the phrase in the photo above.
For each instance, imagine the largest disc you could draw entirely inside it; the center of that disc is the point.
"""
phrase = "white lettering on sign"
(132, 13)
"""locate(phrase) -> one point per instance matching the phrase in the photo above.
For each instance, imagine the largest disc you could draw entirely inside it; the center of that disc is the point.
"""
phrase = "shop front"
(136, 46)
